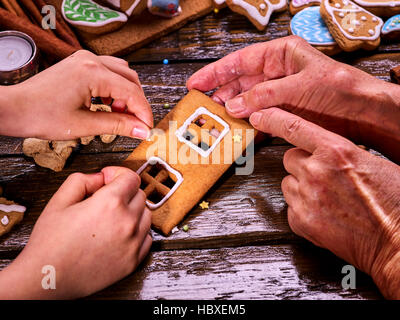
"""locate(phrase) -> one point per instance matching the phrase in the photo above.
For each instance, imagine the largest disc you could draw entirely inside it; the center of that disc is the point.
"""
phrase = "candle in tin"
(18, 57)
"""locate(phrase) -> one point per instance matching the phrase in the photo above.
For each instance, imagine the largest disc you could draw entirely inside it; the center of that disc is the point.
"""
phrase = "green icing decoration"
(89, 12)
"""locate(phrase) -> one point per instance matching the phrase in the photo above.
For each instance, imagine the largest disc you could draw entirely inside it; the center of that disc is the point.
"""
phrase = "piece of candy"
(164, 8)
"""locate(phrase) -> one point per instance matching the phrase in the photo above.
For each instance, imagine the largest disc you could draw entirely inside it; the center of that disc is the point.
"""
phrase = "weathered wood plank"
(261, 272)
(216, 35)
(294, 271)
(243, 209)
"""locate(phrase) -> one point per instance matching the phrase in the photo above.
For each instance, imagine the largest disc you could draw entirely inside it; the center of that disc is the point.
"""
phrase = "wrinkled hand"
(340, 197)
(55, 103)
(289, 73)
(94, 231)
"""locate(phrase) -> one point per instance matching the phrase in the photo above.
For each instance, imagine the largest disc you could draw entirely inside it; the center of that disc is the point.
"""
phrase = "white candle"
(14, 52)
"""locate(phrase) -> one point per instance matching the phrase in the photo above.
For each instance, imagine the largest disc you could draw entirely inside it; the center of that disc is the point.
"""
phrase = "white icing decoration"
(331, 10)
(300, 3)
(356, 22)
(262, 6)
(371, 32)
(121, 17)
(182, 130)
(345, 2)
(351, 30)
(219, 2)
(5, 221)
(12, 208)
(378, 3)
(374, 19)
(132, 7)
(255, 14)
(364, 18)
(337, 5)
(179, 180)
(341, 14)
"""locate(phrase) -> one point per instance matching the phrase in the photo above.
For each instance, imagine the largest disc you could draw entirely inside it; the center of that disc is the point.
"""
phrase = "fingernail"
(141, 133)
(255, 118)
(235, 105)
(217, 100)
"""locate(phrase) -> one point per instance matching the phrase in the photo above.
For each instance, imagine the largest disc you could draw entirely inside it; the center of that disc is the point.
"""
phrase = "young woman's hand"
(55, 103)
(340, 197)
(291, 74)
(94, 232)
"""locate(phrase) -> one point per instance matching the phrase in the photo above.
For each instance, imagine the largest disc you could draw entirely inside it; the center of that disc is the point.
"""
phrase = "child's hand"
(94, 231)
(54, 104)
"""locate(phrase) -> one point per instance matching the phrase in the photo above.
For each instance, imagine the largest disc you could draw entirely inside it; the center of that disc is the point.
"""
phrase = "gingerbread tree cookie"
(129, 7)
(350, 25)
(258, 11)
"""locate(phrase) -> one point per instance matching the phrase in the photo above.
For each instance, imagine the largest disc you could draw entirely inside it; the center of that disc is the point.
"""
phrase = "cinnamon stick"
(62, 30)
(45, 41)
(395, 74)
(18, 9)
(8, 6)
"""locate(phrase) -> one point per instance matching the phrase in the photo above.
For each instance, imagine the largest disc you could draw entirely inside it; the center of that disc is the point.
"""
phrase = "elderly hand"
(340, 197)
(55, 103)
(289, 73)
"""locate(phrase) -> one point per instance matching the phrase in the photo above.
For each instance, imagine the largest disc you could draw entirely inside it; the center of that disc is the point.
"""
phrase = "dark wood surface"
(242, 246)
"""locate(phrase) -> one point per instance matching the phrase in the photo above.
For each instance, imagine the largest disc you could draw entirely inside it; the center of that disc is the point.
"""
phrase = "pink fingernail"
(141, 133)
(235, 105)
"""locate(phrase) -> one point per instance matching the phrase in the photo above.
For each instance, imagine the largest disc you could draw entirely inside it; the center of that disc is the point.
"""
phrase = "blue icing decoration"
(165, 8)
(309, 25)
(393, 24)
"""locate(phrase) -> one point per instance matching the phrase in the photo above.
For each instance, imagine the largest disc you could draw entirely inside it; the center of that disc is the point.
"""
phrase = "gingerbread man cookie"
(308, 24)
(350, 25)
(219, 4)
(257, 11)
(391, 28)
(10, 215)
(298, 5)
(381, 8)
(130, 7)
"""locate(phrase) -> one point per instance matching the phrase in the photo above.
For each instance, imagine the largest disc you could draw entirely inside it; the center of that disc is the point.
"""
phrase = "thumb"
(96, 123)
(75, 189)
(264, 95)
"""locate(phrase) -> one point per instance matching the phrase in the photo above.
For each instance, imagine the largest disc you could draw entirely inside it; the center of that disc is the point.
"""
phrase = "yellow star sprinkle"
(204, 205)
(237, 138)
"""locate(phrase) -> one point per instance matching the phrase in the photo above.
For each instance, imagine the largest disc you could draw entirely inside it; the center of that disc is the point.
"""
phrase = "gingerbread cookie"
(350, 25)
(129, 7)
(188, 152)
(257, 11)
(164, 8)
(381, 8)
(298, 5)
(308, 24)
(219, 4)
(90, 17)
(391, 28)
(10, 215)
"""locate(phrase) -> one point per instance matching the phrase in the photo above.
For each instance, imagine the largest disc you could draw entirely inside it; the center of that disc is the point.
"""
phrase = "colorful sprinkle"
(204, 205)
(166, 105)
(216, 10)
(237, 138)
(185, 228)
(165, 61)
(5, 221)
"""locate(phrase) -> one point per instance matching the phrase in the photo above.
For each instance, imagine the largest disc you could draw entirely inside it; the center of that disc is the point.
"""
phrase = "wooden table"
(242, 247)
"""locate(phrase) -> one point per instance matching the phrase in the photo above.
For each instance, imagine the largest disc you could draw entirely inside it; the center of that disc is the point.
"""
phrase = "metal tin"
(30, 68)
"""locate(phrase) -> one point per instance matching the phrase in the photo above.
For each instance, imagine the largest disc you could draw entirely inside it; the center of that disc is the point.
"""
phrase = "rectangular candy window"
(202, 131)
(159, 181)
